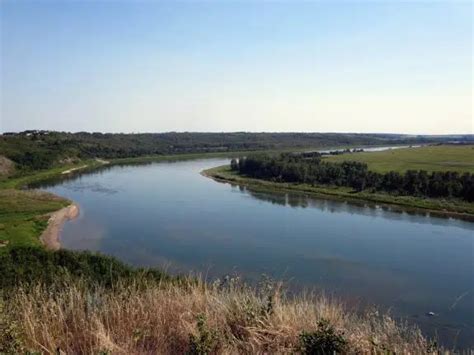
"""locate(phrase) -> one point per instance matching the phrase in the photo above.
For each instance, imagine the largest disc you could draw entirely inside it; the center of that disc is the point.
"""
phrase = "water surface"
(168, 215)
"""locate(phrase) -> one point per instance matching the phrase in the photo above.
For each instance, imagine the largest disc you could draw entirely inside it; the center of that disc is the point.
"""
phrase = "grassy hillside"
(82, 303)
(431, 158)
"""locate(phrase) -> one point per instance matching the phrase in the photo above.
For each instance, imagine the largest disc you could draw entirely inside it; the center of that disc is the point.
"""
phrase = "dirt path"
(74, 169)
(50, 236)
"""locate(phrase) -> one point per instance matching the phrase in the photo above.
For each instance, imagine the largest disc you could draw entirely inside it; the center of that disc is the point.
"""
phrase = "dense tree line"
(42, 149)
(310, 169)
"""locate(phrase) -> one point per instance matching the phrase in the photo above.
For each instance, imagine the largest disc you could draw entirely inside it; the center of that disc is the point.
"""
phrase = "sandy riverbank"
(50, 236)
(73, 169)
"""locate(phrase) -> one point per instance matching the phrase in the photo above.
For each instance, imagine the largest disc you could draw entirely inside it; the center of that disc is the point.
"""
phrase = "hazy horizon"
(230, 132)
(322, 67)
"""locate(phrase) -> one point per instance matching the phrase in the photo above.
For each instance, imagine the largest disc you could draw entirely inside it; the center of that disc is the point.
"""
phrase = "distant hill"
(36, 149)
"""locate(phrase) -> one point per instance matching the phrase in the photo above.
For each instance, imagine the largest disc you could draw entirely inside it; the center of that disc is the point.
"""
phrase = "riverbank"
(110, 302)
(50, 236)
(24, 216)
(437, 207)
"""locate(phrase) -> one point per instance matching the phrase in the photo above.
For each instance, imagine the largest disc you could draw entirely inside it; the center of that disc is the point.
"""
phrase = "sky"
(155, 66)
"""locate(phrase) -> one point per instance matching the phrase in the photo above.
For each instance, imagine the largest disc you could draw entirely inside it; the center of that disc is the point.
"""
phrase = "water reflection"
(297, 200)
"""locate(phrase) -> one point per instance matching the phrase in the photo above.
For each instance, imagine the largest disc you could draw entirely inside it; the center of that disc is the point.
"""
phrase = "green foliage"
(299, 168)
(35, 150)
(324, 340)
(206, 341)
(30, 265)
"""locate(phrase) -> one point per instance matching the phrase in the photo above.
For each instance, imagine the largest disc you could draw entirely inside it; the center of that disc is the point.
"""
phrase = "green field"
(431, 158)
(23, 216)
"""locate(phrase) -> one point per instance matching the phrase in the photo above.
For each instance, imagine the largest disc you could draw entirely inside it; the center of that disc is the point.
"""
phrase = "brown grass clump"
(188, 318)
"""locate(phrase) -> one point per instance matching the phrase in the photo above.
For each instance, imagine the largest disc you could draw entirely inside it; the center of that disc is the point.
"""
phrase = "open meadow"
(458, 158)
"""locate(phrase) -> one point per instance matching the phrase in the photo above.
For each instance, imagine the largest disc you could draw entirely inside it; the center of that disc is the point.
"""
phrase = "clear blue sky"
(136, 66)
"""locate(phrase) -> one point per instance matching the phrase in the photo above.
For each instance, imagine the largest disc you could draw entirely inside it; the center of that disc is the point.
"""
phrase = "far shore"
(50, 236)
(399, 203)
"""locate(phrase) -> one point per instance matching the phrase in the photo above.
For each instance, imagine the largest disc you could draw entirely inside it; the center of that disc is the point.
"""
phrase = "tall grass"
(150, 317)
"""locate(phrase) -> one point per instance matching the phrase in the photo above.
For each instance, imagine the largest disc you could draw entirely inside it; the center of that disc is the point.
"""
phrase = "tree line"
(33, 150)
(310, 169)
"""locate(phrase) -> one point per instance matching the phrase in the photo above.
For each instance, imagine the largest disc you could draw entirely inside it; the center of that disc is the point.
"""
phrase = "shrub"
(30, 265)
(206, 342)
(325, 340)
(11, 341)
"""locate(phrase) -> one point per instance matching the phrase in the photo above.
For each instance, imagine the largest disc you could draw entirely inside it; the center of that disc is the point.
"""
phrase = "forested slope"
(43, 149)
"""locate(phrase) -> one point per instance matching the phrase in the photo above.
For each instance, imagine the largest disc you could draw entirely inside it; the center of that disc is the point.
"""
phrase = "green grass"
(431, 158)
(442, 207)
(24, 213)
(23, 216)
(22, 179)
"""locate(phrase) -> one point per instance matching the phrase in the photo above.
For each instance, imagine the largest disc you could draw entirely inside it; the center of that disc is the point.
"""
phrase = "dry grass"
(7, 167)
(163, 318)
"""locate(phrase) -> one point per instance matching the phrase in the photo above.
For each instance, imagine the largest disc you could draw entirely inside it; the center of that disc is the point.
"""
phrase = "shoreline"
(50, 236)
(220, 173)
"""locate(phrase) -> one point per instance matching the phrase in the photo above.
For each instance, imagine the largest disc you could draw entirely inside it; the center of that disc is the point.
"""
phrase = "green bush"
(207, 340)
(325, 340)
(29, 265)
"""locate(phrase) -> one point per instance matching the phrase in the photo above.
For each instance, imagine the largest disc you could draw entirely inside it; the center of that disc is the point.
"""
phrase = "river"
(168, 215)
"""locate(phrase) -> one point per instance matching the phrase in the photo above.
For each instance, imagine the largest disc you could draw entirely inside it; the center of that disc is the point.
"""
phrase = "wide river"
(168, 215)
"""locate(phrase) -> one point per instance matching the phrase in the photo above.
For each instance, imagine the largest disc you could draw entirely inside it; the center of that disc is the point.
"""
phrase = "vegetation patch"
(309, 168)
(92, 304)
(21, 266)
(36, 150)
(23, 216)
(459, 158)
(324, 340)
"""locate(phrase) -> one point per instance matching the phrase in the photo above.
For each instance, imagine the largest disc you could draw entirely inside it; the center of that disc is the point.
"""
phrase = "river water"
(168, 215)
